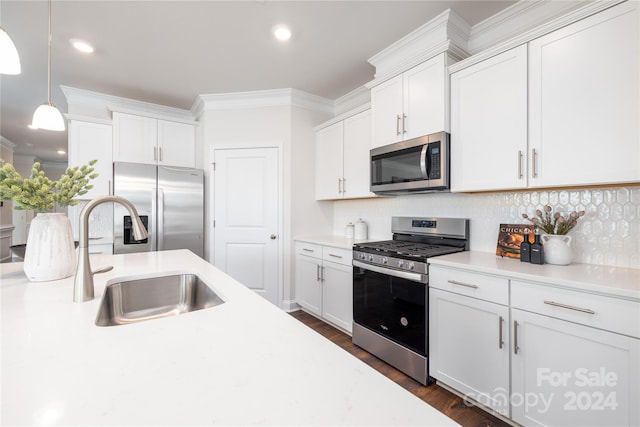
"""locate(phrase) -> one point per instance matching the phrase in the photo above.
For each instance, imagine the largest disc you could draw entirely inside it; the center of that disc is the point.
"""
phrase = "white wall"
(609, 233)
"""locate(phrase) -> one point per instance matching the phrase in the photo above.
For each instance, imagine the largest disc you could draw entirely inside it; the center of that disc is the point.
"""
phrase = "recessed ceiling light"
(82, 45)
(61, 152)
(282, 33)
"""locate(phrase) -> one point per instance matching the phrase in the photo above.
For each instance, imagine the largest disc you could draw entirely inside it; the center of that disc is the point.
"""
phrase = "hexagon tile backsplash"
(608, 234)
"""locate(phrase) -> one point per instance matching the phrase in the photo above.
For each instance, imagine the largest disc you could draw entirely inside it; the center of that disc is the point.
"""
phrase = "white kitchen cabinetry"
(561, 110)
(469, 315)
(342, 158)
(583, 101)
(412, 104)
(92, 141)
(489, 123)
(324, 282)
(566, 372)
(148, 140)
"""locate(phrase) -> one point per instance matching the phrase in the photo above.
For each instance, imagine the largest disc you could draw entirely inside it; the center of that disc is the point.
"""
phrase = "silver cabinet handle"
(340, 185)
(454, 282)
(336, 256)
(155, 153)
(344, 185)
(534, 166)
(519, 164)
(109, 190)
(515, 337)
(308, 250)
(321, 273)
(318, 272)
(500, 340)
(570, 307)
(404, 129)
(160, 154)
(398, 125)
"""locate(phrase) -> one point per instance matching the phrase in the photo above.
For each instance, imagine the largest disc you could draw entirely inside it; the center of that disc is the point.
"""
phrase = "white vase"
(50, 253)
(557, 249)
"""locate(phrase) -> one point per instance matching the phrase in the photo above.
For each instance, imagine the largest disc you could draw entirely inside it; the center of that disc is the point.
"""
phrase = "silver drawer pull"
(570, 307)
(335, 256)
(454, 282)
(308, 250)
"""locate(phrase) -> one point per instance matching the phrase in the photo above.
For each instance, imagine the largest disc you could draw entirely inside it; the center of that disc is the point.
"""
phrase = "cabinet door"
(134, 138)
(337, 297)
(92, 141)
(489, 123)
(569, 374)
(583, 93)
(308, 284)
(357, 144)
(386, 112)
(424, 100)
(176, 144)
(329, 162)
(469, 347)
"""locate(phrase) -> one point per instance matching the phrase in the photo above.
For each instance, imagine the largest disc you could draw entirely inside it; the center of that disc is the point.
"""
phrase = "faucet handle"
(103, 269)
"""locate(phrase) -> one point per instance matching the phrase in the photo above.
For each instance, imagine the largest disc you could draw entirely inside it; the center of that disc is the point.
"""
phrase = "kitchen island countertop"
(244, 362)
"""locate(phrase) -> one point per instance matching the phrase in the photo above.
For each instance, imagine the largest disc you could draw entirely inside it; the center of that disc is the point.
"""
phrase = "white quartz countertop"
(330, 240)
(598, 279)
(244, 362)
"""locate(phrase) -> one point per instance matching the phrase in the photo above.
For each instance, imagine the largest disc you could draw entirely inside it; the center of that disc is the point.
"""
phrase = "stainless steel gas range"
(390, 295)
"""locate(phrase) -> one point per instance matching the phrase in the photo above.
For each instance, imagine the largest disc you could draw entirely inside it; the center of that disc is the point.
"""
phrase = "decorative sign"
(510, 236)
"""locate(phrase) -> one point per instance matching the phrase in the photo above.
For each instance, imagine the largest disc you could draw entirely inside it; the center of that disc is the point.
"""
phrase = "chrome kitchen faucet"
(83, 289)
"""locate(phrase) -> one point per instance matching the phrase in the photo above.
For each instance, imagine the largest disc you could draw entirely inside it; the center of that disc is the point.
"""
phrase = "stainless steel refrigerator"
(170, 202)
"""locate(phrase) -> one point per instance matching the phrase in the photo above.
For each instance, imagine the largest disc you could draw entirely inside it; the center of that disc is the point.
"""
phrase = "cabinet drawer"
(611, 314)
(309, 249)
(488, 288)
(337, 255)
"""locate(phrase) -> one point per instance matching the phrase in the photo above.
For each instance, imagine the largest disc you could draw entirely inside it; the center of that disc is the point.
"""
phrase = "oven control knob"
(362, 256)
(385, 260)
(401, 264)
(411, 266)
(370, 258)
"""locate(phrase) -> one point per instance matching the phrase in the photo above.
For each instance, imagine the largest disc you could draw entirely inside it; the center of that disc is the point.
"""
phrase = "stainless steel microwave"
(418, 165)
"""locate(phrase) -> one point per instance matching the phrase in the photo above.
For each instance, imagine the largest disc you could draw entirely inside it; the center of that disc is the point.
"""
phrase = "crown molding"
(522, 16)
(83, 118)
(548, 26)
(5, 143)
(261, 99)
(351, 100)
(101, 105)
(343, 116)
(434, 37)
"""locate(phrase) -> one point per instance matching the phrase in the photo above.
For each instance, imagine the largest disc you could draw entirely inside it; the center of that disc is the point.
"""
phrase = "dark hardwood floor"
(436, 396)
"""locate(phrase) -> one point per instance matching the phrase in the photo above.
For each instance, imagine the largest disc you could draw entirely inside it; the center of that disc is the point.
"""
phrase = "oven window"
(398, 166)
(392, 307)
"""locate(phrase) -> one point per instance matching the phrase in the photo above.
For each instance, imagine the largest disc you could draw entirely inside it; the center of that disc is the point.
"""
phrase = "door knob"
(273, 237)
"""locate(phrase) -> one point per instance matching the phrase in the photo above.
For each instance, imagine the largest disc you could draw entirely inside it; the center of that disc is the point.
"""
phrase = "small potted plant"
(50, 252)
(557, 245)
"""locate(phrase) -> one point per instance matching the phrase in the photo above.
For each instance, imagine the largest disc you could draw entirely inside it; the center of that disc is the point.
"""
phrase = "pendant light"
(9, 59)
(47, 115)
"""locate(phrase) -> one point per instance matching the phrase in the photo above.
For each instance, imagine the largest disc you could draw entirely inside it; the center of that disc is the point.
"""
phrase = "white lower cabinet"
(469, 336)
(536, 353)
(323, 277)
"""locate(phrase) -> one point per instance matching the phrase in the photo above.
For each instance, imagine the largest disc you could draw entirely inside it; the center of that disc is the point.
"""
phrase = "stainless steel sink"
(145, 299)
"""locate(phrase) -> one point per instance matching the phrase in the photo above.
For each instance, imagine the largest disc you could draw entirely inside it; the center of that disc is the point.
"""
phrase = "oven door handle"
(416, 277)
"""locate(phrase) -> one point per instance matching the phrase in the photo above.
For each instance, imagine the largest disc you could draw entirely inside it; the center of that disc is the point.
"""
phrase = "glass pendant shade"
(9, 59)
(48, 117)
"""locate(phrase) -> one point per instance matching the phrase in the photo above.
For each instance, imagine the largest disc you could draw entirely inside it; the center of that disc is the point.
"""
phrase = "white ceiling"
(168, 52)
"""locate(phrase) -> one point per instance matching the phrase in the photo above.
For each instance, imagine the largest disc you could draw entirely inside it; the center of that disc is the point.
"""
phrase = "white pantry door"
(246, 208)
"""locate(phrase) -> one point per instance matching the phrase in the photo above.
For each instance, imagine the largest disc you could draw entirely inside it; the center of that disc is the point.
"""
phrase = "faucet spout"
(83, 289)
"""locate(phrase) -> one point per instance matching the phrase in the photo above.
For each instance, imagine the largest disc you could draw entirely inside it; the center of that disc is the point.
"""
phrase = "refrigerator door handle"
(160, 219)
(153, 233)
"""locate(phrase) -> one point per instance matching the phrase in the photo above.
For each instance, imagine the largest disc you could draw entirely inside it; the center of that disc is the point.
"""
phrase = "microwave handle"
(424, 168)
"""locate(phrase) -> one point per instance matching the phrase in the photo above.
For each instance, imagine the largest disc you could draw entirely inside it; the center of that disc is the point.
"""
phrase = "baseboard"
(290, 305)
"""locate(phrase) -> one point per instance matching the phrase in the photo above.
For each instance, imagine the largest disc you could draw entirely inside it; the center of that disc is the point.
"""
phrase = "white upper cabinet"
(489, 123)
(92, 141)
(583, 101)
(342, 158)
(411, 104)
(559, 111)
(147, 140)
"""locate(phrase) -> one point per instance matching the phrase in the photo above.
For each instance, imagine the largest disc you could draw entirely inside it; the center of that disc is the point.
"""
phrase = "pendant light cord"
(49, 59)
